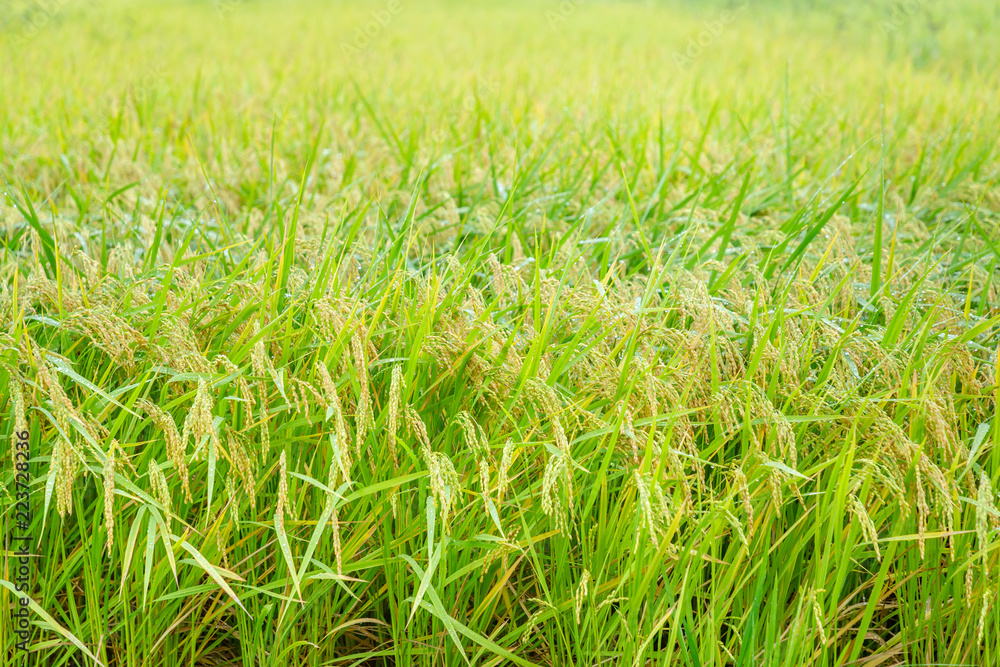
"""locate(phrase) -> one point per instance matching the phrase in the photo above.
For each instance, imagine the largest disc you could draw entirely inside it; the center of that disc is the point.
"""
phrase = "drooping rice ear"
(417, 426)
(552, 502)
(283, 508)
(363, 419)
(444, 482)
(110, 465)
(857, 508)
(580, 595)
(395, 396)
(176, 444)
(506, 459)
(158, 484)
(342, 442)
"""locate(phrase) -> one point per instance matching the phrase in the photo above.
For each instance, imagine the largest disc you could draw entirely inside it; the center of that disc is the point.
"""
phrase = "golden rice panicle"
(775, 478)
(245, 469)
(181, 350)
(224, 364)
(856, 508)
(199, 423)
(63, 407)
(242, 386)
(654, 510)
(735, 524)
(328, 319)
(283, 507)
(496, 269)
(91, 269)
(301, 395)
(474, 302)
(110, 333)
(786, 437)
(547, 398)
(628, 429)
(568, 480)
(110, 465)
(337, 547)
(662, 506)
(335, 409)
(444, 482)
(56, 471)
(580, 595)
(327, 384)
(676, 468)
(505, 461)
(532, 624)
(455, 266)
(158, 484)
(552, 503)
(818, 615)
(293, 397)
(743, 489)
(984, 508)
(890, 479)
(234, 502)
(981, 625)
(729, 408)
(943, 490)
(363, 419)
(419, 429)
(260, 361)
(65, 464)
(475, 438)
(783, 440)
(644, 506)
(500, 552)
(220, 544)
(683, 432)
(940, 421)
(17, 397)
(120, 263)
(395, 396)
(330, 504)
(47, 292)
(176, 448)
(341, 456)
(483, 470)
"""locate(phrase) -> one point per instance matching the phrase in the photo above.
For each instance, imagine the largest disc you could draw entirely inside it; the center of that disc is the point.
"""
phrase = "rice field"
(422, 332)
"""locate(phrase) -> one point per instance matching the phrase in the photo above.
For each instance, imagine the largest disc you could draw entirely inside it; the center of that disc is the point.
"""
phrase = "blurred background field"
(428, 332)
(107, 94)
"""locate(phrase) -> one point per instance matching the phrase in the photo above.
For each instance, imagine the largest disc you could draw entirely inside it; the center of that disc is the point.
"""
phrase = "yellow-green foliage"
(435, 333)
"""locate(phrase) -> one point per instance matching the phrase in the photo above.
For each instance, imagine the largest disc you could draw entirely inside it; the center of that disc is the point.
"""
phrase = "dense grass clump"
(504, 335)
